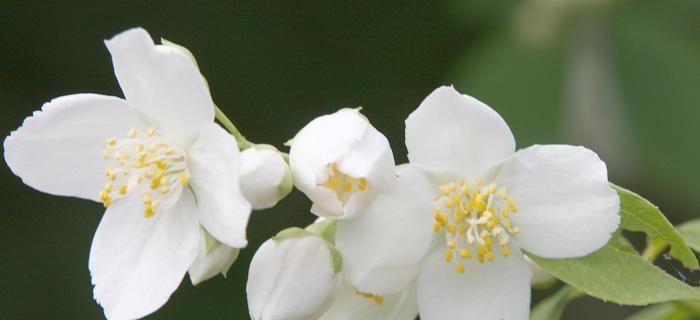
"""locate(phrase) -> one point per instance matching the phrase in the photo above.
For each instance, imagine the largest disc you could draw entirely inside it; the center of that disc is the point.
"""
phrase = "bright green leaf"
(553, 307)
(666, 311)
(616, 275)
(690, 231)
(638, 214)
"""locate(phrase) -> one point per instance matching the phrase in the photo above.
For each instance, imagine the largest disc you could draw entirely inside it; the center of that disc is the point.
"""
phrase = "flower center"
(376, 298)
(472, 219)
(344, 185)
(144, 163)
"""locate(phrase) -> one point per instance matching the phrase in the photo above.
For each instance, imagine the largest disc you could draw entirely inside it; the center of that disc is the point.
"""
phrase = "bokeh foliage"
(274, 66)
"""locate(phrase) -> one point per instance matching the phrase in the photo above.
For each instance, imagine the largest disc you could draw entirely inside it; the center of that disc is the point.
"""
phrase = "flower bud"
(213, 258)
(340, 161)
(265, 176)
(292, 276)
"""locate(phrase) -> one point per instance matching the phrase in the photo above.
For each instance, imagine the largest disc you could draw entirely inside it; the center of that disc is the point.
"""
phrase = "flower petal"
(136, 262)
(208, 264)
(566, 206)
(163, 83)
(350, 305)
(58, 149)
(493, 290)
(382, 248)
(291, 279)
(346, 139)
(214, 162)
(451, 132)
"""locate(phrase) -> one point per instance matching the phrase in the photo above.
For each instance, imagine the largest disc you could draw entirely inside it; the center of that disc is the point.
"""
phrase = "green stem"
(654, 249)
(243, 143)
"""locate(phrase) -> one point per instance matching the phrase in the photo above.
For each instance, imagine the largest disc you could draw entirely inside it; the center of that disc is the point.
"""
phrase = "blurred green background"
(618, 76)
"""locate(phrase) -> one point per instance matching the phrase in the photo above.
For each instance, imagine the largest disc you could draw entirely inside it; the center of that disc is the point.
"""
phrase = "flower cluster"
(444, 236)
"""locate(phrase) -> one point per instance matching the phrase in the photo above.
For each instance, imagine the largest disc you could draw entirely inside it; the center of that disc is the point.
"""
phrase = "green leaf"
(613, 274)
(665, 311)
(638, 214)
(553, 307)
(690, 231)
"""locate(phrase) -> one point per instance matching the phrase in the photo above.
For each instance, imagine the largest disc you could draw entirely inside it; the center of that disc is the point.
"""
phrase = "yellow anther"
(490, 224)
(448, 203)
(488, 242)
(148, 211)
(184, 178)
(511, 205)
(164, 189)
(505, 213)
(106, 153)
(445, 189)
(437, 226)
(506, 223)
(448, 255)
(169, 151)
(362, 185)
(452, 186)
(480, 250)
(505, 251)
(132, 133)
(489, 256)
(333, 183)
(461, 230)
(463, 190)
(479, 204)
(378, 299)
(123, 190)
(347, 187)
(460, 182)
(480, 257)
(139, 148)
(156, 182)
(112, 141)
(459, 267)
(456, 200)
(514, 231)
(146, 198)
(161, 165)
(150, 132)
(451, 244)
(465, 254)
(109, 187)
(451, 228)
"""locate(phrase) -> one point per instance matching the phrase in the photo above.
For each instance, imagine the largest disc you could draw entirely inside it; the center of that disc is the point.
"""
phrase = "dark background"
(621, 77)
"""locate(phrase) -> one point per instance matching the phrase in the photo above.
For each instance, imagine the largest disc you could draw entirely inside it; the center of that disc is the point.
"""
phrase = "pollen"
(475, 220)
(374, 297)
(343, 184)
(145, 164)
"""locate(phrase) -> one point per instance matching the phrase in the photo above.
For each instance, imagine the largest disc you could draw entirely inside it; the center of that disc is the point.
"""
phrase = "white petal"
(566, 206)
(209, 264)
(493, 290)
(382, 248)
(457, 133)
(292, 279)
(136, 262)
(347, 139)
(58, 150)
(349, 305)
(163, 83)
(214, 166)
(262, 171)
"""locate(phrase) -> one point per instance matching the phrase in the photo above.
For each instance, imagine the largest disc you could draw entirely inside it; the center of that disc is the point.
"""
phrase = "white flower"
(340, 161)
(265, 176)
(147, 158)
(541, 278)
(351, 304)
(292, 277)
(465, 206)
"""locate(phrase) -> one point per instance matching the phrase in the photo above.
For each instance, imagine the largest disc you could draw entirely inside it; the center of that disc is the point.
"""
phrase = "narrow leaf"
(553, 307)
(616, 275)
(666, 311)
(638, 214)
